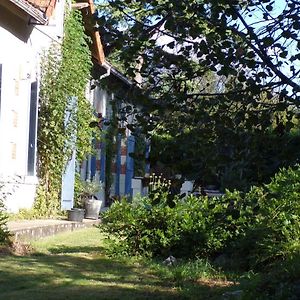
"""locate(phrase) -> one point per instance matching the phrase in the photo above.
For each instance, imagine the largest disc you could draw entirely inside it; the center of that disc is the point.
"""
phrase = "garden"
(219, 103)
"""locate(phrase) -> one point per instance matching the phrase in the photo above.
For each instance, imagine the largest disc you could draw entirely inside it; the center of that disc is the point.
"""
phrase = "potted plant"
(89, 200)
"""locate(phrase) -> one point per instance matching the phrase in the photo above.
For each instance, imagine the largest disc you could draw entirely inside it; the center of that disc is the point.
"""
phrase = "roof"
(46, 6)
(40, 10)
(97, 47)
(88, 12)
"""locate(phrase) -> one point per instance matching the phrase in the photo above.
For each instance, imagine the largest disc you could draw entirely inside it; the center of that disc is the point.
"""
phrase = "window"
(32, 130)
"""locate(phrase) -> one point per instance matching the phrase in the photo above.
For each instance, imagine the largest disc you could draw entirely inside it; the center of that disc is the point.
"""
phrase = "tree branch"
(260, 51)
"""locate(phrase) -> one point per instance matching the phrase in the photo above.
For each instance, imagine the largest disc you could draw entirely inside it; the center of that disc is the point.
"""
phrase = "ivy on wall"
(65, 74)
(110, 150)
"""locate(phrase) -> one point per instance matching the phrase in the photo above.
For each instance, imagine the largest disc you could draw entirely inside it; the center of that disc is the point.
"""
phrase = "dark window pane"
(32, 130)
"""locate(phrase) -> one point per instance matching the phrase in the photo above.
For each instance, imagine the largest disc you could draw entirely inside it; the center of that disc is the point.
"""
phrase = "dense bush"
(259, 226)
(141, 228)
(193, 227)
(274, 228)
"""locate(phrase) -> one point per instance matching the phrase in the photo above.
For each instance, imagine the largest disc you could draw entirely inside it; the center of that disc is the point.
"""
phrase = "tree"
(249, 48)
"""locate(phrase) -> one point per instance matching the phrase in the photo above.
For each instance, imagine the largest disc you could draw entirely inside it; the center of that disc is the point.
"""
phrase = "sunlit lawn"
(74, 266)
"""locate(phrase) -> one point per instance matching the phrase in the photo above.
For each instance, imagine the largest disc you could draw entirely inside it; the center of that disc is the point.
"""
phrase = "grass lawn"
(73, 266)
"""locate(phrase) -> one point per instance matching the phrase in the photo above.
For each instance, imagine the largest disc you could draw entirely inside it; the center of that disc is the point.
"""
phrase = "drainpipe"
(108, 69)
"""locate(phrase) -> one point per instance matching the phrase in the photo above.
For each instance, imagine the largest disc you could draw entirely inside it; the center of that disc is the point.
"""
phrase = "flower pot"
(76, 214)
(92, 208)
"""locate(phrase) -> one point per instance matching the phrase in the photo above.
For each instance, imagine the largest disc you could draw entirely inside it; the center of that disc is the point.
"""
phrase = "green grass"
(74, 266)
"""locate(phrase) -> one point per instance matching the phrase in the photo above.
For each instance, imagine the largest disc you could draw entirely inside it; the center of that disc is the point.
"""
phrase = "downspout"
(108, 69)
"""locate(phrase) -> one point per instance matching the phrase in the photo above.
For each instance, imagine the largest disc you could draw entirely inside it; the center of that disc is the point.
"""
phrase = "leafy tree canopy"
(213, 70)
(255, 41)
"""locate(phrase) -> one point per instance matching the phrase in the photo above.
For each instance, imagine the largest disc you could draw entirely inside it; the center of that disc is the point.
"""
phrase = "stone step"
(27, 230)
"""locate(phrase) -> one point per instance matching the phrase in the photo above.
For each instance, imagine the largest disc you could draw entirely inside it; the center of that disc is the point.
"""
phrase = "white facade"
(21, 48)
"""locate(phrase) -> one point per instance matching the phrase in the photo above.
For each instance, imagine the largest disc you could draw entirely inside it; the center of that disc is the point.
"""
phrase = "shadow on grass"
(84, 273)
(75, 249)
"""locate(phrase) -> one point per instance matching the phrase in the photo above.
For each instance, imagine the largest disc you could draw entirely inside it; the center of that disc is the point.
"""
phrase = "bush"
(260, 226)
(274, 230)
(194, 227)
(140, 228)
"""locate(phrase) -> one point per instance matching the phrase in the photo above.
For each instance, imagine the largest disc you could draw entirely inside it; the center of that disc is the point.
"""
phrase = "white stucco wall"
(20, 59)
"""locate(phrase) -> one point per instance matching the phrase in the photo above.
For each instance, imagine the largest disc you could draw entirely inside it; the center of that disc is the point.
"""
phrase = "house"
(27, 28)
(115, 170)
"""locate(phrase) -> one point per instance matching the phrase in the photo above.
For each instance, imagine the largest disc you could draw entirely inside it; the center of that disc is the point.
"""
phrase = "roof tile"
(46, 6)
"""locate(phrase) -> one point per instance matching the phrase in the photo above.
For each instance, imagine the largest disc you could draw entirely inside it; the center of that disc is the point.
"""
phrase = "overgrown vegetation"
(4, 234)
(254, 235)
(254, 229)
(64, 113)
(228, 143)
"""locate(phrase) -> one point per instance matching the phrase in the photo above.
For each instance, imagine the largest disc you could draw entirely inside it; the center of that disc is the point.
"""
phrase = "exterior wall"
(122, 168)
(21, 48)
(93, 168)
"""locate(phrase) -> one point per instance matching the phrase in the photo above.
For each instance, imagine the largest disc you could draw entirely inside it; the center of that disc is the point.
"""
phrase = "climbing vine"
(4, 234)
(110, 141)
(64, 112)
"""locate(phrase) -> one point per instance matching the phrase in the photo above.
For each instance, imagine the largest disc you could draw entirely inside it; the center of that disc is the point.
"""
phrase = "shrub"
(140, 228)
(259, 226)
(194, 227)
(272, 229)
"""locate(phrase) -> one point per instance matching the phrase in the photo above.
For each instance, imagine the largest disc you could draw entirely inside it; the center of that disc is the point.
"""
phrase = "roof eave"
(118, 74)
(99, 56)
(30, 10)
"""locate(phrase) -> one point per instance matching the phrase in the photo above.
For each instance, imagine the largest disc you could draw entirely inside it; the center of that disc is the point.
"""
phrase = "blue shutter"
(102, 162)
(118, 165)
(129, 165)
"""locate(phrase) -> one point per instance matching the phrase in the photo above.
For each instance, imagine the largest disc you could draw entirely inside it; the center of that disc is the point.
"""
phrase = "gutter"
(119, 75)
(33, 12)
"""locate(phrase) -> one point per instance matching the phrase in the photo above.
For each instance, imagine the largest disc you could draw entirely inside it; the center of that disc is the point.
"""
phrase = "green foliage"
(65, 74)
(280, 282)
(85, 190)
(25, 214)
(187, 270)
(110, 150)
(4, 233)
(230, 144)
(275, 230)
(256, 228)
(160, 225)
(139, 156)
(213, 82)
(139, 229)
